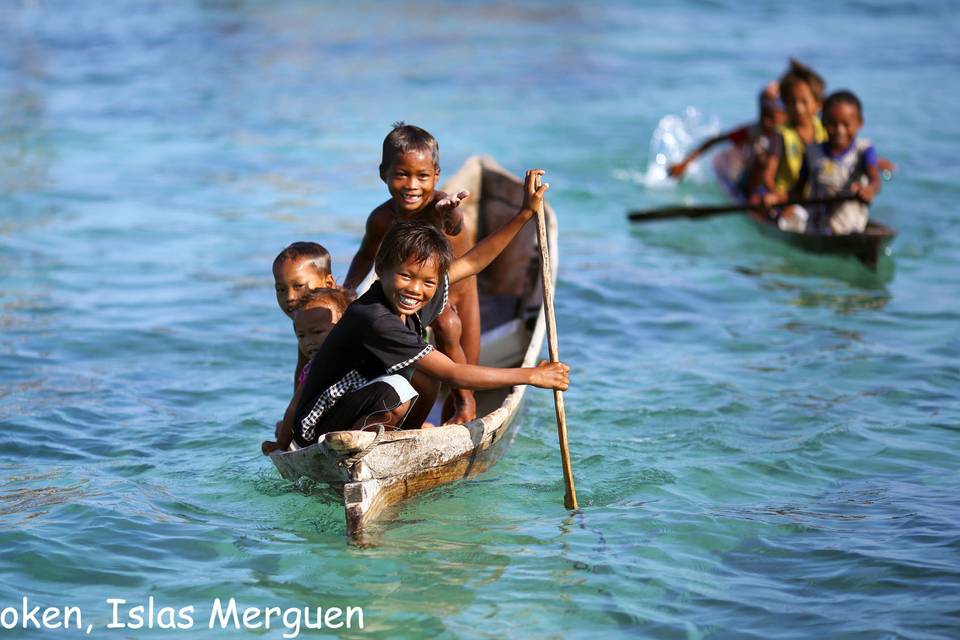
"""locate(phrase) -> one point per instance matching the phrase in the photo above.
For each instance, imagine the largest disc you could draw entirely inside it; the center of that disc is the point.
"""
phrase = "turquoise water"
(765, 443)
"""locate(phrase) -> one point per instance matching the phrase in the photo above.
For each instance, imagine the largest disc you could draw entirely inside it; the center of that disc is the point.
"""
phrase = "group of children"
(790, 154)
(365, 361)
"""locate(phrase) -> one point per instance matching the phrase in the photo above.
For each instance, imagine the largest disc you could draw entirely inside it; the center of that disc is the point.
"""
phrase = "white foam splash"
(673, 137)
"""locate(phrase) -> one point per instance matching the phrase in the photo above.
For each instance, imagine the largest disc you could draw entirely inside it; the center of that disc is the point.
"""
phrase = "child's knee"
(388, 417)
(448, 328)
(396, 415)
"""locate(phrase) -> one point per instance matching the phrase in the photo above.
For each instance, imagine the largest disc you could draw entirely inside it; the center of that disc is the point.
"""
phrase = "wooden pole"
(570, 493)
(682, 211)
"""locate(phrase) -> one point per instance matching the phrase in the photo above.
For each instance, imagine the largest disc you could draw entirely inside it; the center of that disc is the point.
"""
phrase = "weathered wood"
(367, 499)
(404, 463)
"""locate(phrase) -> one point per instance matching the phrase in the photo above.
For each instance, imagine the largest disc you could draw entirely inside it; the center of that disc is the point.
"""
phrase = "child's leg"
(378, 402)
(467, 304)
(448, 329)
(465, 300)
(428, 388)
(390, 418)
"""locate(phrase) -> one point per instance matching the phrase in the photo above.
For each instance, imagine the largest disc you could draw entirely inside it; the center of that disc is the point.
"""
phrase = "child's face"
(410, 285)
(802, 105)
(294, 278)
(771, 118)
(411, 179)
(312, 327)
(842, 122)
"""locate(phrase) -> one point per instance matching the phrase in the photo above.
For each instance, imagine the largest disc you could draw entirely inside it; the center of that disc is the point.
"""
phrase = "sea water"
(766, 443)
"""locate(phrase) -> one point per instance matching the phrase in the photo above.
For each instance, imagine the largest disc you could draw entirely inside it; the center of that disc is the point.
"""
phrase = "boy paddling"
(361, 375)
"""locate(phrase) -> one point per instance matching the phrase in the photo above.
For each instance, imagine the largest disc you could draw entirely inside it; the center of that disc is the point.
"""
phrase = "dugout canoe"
(867, 246)
(373, 473)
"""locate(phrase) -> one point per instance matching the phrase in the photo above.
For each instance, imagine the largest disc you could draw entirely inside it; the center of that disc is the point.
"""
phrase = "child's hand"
(449, 203)
(533, 197)
(283, 436)
(267, 447)
(772, 199)
(551, 375)
(865, 193)
(448, 217)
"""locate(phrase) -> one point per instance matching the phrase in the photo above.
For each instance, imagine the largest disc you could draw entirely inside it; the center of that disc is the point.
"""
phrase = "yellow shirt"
(788, 171)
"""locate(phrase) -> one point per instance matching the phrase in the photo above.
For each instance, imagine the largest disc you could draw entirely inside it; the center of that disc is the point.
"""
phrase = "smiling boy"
(410, 167)
(842, 164)
(361, 375)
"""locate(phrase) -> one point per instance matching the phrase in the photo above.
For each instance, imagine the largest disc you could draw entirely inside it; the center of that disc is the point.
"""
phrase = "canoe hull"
(867, 247)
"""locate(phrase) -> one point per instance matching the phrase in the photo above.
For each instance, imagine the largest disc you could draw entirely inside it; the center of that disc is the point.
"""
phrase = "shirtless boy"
(410, 167)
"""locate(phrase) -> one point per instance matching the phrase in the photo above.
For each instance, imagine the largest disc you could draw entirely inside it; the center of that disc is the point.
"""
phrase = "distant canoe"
(402, 463)
(867, 247)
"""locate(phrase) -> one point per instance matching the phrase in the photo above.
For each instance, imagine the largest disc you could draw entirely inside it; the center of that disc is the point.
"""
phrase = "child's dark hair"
(799, 72)
(840, 97)
(414, 240)
(340, 298)
(312, 251)
(404, 138)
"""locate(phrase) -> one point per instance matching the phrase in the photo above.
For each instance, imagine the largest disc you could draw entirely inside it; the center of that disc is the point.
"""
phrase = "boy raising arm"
(410, 169)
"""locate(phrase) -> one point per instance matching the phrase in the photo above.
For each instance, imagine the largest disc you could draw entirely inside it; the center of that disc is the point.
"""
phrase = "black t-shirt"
(369, 341)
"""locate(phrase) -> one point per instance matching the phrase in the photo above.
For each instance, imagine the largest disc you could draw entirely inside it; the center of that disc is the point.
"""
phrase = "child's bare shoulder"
(381, 218)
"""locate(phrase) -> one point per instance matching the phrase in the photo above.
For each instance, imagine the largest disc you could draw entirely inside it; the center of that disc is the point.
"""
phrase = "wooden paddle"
(570, 493)
(679, 211)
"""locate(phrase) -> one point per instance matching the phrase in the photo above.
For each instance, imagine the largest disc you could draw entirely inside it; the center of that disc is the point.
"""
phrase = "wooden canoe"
(867, 247)
(400, 464)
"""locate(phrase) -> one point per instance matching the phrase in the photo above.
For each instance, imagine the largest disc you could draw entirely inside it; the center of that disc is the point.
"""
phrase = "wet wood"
(548, 275)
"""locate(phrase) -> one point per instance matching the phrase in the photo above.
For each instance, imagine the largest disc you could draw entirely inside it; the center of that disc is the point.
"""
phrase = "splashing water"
(673, 138)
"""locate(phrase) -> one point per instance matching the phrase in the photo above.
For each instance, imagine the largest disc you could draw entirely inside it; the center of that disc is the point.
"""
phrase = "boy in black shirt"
(361, 375)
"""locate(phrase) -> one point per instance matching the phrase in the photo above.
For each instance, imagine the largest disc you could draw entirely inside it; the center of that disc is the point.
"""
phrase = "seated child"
(314, 316)
(842, 164)
(802, 91)
(410, 167)
(361, 375)
(752, 143)
(300, 267)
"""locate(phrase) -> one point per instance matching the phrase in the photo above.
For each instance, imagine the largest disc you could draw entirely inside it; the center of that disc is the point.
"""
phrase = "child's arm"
(866, 193)
(284, 431)
(477, 259)
(377, 225)
(676, 170)
(766, 193)
(546, 375)
(302, 361)
(448, 211)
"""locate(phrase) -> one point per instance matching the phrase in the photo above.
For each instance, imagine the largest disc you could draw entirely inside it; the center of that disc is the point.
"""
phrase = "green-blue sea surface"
(766, 443)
